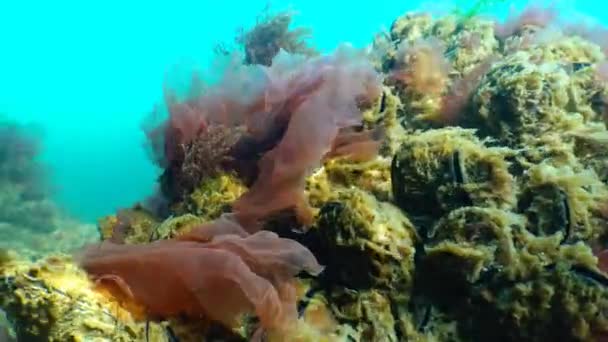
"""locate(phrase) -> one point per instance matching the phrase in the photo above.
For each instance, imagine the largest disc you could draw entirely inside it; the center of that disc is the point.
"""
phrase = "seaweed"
(304, 105)
(221, 275)
(271, 34)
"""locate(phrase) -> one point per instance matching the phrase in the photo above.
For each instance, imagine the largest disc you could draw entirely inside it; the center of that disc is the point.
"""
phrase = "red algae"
(422, 66)
(292, 112)
(292, 115)
(219, 280)
(357, 146)
(453, 103)
(347, 79)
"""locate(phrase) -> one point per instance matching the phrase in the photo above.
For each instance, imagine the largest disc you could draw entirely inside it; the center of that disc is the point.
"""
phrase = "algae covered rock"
(373, 176)
(501, 282)
(564, 201)
(591, 149)
(369, 243)
(411, 26)
(137, 226)
(134, 225)
(466, 244)
(561, 302)
(6, 332)
(368, 248)
(384, 116)
(175, 226)
(507, 212)
(472, 42)
(434, 64)
(371, 313)
(520, 99)
(440, 170)
(559, 47)
(53, 300)
(213, 196)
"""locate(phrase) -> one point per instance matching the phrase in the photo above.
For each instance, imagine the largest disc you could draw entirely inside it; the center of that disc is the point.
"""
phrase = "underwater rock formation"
(53, 300)
(30, 221)
(440, 170)
(25, 200)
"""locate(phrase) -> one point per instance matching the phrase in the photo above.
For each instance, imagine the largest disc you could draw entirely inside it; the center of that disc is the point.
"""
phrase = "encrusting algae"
(53, 300)
(449, 186)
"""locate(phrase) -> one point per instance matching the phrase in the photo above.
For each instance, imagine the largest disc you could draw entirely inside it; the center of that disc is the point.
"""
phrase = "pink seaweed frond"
(217, 271)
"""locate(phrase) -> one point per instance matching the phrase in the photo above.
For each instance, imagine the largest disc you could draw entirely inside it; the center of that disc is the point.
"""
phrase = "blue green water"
(89, 71)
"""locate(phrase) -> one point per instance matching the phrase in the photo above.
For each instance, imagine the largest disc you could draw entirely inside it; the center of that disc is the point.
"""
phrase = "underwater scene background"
(304, 171)
(96, 71)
